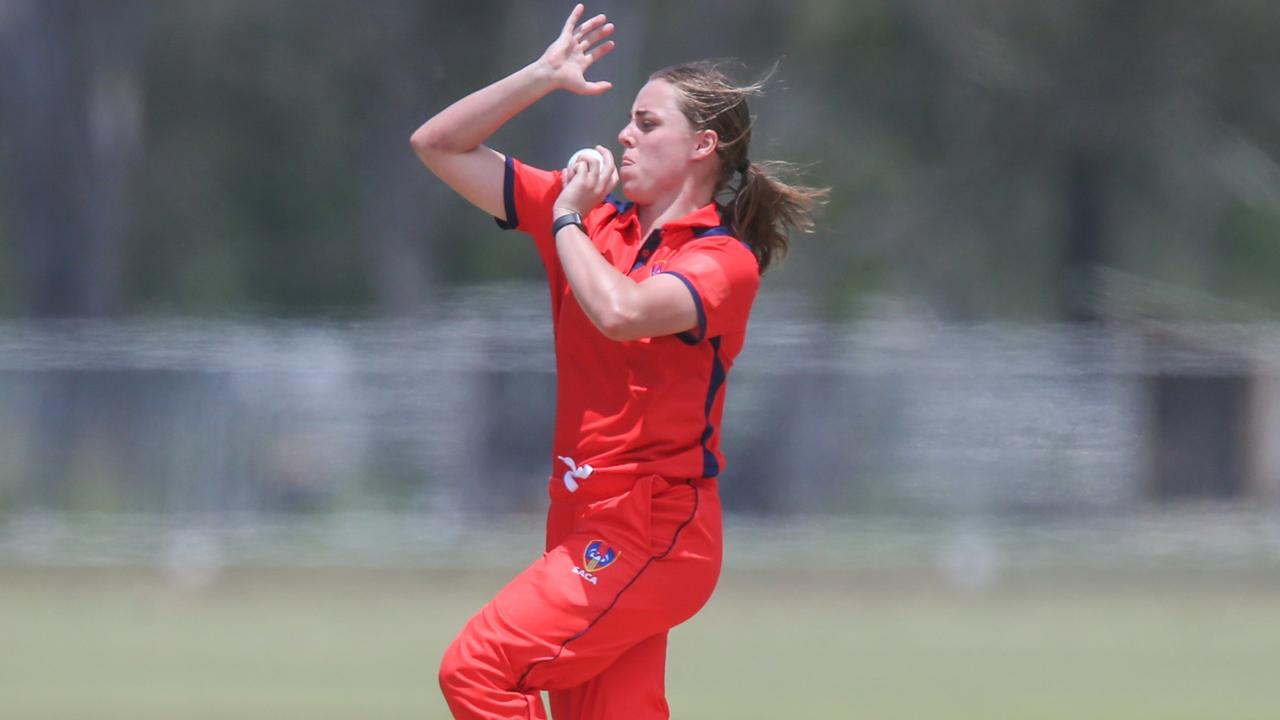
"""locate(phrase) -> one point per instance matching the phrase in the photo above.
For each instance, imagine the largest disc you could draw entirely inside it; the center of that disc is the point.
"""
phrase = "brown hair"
(764, 209)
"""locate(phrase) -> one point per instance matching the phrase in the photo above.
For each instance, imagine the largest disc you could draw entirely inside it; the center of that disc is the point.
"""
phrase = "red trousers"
(626, 561)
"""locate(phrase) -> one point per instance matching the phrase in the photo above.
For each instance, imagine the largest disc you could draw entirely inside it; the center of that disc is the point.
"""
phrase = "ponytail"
(764, 209)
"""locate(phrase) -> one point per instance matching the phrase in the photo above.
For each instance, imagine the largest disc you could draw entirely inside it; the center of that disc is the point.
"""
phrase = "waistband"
(596, 485)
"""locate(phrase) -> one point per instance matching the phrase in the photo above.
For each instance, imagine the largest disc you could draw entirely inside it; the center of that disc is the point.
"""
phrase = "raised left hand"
(576, 49)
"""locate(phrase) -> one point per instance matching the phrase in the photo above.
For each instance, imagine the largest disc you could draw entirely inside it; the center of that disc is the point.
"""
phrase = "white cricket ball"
(587, 154)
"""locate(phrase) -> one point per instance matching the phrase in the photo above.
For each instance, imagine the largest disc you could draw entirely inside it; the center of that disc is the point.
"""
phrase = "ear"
(708, 141)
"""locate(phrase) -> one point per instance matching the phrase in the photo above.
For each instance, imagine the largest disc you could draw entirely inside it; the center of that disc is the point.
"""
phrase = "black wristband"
(572, 218)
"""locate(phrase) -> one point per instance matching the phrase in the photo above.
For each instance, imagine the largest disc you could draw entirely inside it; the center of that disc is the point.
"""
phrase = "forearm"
(467, 123)
(603, 293)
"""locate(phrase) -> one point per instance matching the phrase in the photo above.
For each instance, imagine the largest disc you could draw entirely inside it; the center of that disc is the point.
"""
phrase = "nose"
(624, 136)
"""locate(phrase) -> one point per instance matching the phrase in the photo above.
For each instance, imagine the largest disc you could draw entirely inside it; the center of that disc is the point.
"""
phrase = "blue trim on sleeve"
(710, 465)
(687, 336)
(721, 230)
(509, 197)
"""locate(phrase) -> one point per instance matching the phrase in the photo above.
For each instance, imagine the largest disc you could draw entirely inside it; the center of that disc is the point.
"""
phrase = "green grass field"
(113, 643)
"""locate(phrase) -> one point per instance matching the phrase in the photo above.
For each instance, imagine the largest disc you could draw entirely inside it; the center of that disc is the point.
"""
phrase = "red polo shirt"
(653, 405)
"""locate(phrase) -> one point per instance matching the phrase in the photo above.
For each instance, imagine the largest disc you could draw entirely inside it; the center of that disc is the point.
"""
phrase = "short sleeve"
(723, 276)
(528, 194)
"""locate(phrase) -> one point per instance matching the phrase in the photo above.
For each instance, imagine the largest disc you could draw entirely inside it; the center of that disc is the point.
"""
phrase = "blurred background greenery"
(275, 405)
(231, 157)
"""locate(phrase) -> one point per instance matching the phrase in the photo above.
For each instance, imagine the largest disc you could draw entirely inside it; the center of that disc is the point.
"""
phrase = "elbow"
(615, 331)
(617, 324)
(424, 142)
(428, 141)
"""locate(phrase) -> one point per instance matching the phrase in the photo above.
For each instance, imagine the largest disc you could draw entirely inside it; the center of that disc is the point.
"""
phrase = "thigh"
(632, 568)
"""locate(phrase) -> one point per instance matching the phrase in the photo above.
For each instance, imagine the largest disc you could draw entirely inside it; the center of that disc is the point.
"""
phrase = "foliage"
(983, 153)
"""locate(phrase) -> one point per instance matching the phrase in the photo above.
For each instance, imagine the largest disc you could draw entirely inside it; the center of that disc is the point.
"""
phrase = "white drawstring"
(574, 473)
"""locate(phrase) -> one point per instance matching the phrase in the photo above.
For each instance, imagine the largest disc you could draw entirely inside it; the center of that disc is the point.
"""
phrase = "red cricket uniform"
(633, 531)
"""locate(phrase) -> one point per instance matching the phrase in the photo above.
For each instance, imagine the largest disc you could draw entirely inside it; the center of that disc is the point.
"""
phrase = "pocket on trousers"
(629, 513)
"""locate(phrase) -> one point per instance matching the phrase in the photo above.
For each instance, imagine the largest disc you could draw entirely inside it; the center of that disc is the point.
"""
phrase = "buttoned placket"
(646, 250)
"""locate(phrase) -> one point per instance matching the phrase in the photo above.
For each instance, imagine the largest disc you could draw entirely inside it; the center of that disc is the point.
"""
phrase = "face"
(660, 148)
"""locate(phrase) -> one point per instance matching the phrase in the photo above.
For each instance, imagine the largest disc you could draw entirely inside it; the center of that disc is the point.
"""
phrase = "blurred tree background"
(243, 329)
(986, 156)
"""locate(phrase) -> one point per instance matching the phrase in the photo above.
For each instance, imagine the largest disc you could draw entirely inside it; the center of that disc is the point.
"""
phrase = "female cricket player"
(649, 300)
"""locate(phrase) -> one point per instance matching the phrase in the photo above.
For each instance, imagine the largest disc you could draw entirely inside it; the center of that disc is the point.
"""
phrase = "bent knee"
(462, 671)
(453, 669)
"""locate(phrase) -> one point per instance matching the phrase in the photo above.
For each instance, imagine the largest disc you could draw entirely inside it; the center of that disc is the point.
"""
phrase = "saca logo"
(596, 557)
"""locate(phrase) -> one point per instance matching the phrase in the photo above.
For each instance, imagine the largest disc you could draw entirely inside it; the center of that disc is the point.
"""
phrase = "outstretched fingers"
(601, 50)
(573, 19)
(595, 36)
(590, 26)
(579, 46)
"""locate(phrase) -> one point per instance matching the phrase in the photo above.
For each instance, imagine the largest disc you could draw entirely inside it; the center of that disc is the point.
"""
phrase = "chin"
(635, 194)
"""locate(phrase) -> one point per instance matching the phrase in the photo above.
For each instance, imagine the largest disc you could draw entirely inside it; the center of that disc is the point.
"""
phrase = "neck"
(677, 204)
